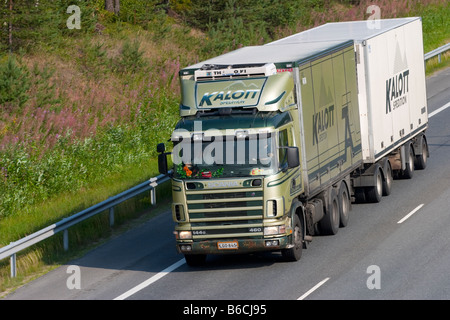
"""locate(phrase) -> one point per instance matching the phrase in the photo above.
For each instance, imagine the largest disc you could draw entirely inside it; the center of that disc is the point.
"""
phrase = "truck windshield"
(224, 156)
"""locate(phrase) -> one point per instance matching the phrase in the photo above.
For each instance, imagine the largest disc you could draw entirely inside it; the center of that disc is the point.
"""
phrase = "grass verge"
(83, 237)
(433, 65)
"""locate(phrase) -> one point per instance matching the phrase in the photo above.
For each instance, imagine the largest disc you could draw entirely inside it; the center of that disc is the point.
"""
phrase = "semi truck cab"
(236, 162)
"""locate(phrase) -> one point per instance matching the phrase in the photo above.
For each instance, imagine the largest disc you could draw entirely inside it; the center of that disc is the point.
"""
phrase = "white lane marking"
(411, 213)
(313, 289)
(439, 110)
(151, 280)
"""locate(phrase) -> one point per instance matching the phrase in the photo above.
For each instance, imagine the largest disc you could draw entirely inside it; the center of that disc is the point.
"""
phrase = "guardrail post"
(13, 265)
(153, 196)
(153, 184)
(111, 216)
(66, 239)
(437, 52)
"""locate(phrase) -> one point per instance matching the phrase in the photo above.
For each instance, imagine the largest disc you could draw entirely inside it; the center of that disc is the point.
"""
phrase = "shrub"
(92, 58)
(130, 59)
(14, 83)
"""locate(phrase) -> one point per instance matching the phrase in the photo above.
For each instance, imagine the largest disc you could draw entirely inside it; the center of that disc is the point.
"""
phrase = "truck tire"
(360, 195)
(421, 159)
(344, 205)
(295, 253)
(329, 225)
(374, 194)
(408, 173)
(388, 178)
(194, 260)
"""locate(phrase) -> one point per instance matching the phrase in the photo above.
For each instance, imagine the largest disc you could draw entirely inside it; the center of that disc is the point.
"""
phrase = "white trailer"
(391, 79)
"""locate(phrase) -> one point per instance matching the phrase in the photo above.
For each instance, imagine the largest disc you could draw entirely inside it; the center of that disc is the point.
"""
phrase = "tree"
(112, 6)
(14, 83)
(24, 24)
(27, 22)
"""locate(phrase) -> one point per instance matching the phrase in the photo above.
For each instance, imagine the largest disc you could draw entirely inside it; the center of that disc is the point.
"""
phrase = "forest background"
(88, 88)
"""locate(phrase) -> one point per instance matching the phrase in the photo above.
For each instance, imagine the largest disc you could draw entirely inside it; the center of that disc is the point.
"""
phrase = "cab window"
(283, 141)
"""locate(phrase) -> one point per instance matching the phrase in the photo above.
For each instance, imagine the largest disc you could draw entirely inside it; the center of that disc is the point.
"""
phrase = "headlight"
(268, 231)
(184, 235)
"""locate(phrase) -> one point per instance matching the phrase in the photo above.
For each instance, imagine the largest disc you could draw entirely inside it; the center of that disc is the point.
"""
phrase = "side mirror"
(293, 158)
(162, 163)
(161, 147)
(162, 158)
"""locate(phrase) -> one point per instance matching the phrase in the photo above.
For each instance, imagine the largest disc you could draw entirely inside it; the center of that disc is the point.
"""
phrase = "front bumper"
(239, 245)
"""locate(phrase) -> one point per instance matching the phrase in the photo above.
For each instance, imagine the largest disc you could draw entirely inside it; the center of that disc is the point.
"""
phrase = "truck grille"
(225, 213)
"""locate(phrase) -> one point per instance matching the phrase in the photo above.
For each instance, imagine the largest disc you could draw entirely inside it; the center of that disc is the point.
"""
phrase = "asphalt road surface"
(396, 249)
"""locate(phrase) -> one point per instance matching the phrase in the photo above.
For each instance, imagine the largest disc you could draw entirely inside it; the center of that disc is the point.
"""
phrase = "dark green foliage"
(18, 86)
(40, 22)
(31, 21)
(231, 24)
(14, 83)
(130, 59)
(92, 58)
(139, 12)
(44, 92)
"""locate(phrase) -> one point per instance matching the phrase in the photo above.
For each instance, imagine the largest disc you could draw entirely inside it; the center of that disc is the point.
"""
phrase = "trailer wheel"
(374, 194)
(194, 260)
(421, 159)
(408, 173)
(295, 253)
(344, 205)
(360, 195)
(329, 224)
(388, 179)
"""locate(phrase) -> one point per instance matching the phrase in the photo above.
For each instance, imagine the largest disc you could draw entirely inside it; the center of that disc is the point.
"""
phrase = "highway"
(398, 249)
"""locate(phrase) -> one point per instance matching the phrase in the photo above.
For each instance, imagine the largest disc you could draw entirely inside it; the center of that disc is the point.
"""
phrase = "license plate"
(228, 245)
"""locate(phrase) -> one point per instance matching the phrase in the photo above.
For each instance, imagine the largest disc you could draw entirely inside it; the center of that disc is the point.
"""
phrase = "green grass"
(433, 64)
(436, 29)
(435, 25)
(16, 226)
(49, 254)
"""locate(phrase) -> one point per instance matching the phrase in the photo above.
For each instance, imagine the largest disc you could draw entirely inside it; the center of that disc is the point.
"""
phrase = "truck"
(276, 142)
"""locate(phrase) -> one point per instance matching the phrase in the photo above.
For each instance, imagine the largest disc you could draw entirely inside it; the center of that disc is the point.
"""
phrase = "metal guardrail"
(437, 52)
(63, 225)
(109, 204)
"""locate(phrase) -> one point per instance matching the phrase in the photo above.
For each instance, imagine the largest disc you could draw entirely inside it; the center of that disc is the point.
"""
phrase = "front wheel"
(295, 253)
